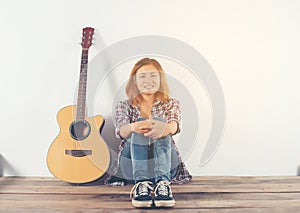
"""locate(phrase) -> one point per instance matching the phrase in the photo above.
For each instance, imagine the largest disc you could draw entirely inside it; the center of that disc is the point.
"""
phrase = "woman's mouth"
(148, 86)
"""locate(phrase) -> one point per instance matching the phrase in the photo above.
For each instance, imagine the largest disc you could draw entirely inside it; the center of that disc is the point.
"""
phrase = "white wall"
(252, 45)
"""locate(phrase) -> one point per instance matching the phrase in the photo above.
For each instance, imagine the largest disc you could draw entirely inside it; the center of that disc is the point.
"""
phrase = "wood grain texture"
(202, 194)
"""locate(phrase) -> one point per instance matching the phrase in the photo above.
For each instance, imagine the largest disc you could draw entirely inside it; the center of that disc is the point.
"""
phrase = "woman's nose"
(147, 79)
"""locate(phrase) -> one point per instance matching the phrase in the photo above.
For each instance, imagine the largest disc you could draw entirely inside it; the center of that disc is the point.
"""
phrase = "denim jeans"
(146, 159)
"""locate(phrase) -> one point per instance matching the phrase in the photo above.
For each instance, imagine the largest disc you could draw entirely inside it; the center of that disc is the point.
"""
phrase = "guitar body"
(78, 154)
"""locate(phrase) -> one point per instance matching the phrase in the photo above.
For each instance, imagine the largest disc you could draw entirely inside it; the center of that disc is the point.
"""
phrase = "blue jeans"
(146, 159)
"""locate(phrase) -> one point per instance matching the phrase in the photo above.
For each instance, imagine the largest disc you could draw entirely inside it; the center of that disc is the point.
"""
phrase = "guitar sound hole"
(79, 130)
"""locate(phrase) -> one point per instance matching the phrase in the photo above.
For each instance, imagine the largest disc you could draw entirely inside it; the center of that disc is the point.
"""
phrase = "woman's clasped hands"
(151, 128)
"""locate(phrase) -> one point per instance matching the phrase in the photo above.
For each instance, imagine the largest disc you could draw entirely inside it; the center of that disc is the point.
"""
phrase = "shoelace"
(163, 189)
(142, 188)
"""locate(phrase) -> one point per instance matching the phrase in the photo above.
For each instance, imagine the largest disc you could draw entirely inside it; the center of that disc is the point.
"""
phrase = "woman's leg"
(151, 166)
(139, 157)
(126, 163)
(162, 158)
(134, 159)
(163, 150)
(142, 190)
(174, 162)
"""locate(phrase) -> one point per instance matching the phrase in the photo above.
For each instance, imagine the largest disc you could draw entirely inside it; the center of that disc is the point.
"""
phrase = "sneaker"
(140, 195)
(163, 195)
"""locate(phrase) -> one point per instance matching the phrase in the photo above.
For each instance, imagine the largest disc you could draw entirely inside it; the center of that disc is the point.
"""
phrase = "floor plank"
(203, 194)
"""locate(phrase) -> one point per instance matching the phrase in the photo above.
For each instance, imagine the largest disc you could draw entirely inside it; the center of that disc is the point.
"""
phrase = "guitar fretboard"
(81, 98)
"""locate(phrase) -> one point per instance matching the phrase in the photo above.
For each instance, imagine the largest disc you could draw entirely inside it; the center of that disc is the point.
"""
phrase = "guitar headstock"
(87, 37)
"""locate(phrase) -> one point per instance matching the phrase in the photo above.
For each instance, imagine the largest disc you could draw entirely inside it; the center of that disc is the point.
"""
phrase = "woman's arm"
(122, 118)
(138, 127)
(160, 129)
(172, 128)
(126, 130)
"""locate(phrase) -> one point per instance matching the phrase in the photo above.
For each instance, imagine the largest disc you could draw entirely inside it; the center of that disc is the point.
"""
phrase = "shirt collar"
(155, 103)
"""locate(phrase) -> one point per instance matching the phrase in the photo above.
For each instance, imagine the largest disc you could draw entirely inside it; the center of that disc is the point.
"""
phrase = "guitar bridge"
(78, 152)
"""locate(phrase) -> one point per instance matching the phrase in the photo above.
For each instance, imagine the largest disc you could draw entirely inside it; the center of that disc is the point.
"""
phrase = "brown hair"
(132, 91)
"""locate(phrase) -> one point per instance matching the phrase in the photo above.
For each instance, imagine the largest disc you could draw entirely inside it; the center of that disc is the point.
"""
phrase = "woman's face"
(147, 79)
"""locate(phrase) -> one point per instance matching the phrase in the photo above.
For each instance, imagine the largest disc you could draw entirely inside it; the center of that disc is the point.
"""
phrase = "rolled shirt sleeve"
(122, 116)
(174, 113)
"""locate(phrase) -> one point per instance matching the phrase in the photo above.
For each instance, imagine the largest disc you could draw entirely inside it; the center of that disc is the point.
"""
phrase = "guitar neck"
(81, 97)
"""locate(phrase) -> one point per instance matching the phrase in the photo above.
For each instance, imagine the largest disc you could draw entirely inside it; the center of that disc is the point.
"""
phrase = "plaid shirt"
(126, 114)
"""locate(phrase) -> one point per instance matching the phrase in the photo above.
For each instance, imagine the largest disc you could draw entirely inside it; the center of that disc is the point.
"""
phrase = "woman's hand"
(158, 129)
(150, 128)
(138, 127)
(141, 126)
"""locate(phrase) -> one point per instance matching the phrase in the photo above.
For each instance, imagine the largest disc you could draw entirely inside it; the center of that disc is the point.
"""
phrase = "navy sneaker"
(141, 195)
(163, 195)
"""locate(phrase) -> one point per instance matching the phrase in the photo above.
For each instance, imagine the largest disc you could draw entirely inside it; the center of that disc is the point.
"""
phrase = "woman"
(145, 123)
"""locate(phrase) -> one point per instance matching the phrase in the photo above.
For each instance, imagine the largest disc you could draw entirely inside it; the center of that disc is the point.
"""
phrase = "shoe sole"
(142, 204)
(164, 203)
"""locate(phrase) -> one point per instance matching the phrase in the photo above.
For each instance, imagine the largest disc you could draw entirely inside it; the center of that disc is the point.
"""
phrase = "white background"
(252, 45)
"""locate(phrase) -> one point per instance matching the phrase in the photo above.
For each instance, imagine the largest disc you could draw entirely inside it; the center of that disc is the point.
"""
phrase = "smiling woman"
(147, 80)
(146, 123)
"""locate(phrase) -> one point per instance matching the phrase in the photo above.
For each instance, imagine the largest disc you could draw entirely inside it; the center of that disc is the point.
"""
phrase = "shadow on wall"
(6, 167)
(298, 171)
(108, 135)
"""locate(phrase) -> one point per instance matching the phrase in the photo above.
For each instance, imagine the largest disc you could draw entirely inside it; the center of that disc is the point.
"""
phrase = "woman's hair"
(132, 91)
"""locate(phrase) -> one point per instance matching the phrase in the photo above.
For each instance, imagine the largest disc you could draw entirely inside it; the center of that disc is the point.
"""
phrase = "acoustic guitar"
(79, 154)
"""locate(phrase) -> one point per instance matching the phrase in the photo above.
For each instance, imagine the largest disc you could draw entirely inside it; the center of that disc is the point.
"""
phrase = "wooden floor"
(203, 194)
